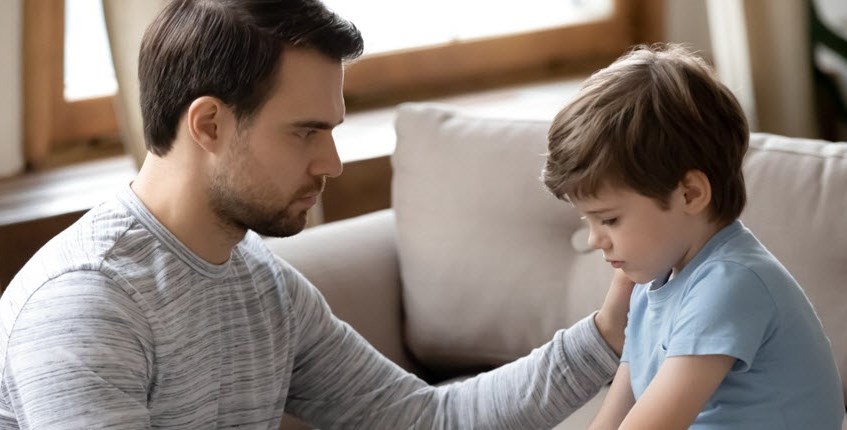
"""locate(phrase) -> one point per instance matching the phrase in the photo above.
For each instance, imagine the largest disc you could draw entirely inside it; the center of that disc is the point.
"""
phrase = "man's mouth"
(310, 199)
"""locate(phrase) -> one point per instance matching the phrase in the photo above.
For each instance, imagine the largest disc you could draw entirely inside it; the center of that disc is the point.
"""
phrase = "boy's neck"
(705, 230)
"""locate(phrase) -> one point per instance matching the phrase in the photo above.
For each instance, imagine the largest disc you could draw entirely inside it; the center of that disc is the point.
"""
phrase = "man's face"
(634, 233)
(275, 167)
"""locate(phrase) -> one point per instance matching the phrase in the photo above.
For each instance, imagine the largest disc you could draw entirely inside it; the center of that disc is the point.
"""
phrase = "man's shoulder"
(265, 266)
(259, 257)
(82, 246)
(79, 250)
(271, 272)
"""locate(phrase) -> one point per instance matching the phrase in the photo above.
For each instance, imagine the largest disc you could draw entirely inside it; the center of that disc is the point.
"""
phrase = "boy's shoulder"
(739, 265)
(737, 249)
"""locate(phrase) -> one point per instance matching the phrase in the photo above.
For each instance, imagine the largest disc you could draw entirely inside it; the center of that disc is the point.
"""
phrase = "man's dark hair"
(229, 49)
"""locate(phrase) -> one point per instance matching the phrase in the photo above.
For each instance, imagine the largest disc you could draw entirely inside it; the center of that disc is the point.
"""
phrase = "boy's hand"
(611, 319)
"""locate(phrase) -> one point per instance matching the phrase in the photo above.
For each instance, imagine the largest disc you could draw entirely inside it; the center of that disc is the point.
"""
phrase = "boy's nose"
(597, 241)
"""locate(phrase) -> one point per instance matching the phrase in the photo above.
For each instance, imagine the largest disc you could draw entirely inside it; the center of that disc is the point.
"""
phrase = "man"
(162, 307)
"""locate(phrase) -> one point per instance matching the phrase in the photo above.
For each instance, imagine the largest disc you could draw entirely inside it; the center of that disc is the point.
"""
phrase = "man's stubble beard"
(240, 206)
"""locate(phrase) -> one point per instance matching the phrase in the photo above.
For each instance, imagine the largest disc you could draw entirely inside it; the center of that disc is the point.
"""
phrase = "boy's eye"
(609, 221)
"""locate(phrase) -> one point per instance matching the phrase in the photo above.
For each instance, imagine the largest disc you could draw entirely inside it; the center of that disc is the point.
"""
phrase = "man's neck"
(175, 193)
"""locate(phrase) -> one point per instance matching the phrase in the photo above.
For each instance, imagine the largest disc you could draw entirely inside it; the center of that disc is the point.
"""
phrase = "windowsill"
(364, 135)
(370, 134)
(63, 190)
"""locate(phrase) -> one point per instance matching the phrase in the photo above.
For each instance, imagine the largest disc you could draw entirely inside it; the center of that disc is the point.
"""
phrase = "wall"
(778, 66)
(782, 67)
(685, 22)
(11, 123)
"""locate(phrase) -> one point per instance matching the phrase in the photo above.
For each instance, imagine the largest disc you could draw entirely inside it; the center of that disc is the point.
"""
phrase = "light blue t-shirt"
(734, 298)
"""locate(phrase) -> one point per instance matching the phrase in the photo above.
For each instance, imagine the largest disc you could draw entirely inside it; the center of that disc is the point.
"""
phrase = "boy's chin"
(639, 277)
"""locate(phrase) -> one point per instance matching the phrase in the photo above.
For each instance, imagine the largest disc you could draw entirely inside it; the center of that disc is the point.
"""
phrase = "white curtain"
(126, 21)
(11, 106)
(765, 44)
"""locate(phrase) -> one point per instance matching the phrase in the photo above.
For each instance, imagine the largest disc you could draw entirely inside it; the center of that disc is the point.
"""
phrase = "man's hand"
(611, 319)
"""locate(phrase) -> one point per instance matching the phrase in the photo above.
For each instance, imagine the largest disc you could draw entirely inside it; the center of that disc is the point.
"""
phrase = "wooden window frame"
(51, 122)
(391, 77)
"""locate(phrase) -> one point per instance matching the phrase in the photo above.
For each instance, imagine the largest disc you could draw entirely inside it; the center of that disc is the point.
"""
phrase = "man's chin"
(288, 226)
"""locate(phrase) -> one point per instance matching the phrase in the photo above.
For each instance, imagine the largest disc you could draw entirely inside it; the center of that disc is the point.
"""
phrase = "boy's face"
(635, 233)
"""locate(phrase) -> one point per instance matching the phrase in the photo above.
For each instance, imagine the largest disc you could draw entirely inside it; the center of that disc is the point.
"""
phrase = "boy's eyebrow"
(313, 123)
(599, 211)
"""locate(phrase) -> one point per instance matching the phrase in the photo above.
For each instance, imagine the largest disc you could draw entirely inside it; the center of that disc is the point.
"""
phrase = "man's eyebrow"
(317, 124)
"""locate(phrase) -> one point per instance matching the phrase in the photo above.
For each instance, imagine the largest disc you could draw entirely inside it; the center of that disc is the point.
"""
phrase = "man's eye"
(609, 221)
(304, 134)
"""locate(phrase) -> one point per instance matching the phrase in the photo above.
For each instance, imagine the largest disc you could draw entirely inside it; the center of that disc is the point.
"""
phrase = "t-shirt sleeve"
(77, 357)
(727, 310)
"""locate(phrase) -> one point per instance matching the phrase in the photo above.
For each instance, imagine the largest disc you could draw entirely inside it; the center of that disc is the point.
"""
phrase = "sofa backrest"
(485, 251)
(492, 264)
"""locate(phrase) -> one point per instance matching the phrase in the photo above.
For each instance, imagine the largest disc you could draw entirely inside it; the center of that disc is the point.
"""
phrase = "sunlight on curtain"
(88, 63)
(392, 25)
(11, 147)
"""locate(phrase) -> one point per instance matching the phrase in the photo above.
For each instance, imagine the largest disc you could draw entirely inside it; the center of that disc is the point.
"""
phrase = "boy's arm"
(617, 403)
(677, 394)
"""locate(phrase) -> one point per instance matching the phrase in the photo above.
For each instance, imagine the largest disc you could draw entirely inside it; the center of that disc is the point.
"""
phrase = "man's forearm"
(536, 391)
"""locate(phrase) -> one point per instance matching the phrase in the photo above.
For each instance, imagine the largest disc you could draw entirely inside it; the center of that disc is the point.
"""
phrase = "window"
(391, 25)
(88, 71)
(424, 48)
(53, 121)
(414, 50)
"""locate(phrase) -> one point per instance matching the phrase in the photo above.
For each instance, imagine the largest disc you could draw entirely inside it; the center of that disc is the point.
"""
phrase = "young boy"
(720, 336)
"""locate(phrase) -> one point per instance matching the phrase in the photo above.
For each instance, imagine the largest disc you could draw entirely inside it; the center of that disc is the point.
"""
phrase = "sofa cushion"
(486, 259)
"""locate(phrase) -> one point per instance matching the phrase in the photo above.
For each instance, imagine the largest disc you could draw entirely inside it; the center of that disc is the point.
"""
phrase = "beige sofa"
(476, 263)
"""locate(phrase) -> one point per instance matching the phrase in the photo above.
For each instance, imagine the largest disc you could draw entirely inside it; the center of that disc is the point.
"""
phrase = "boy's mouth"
(617, 264)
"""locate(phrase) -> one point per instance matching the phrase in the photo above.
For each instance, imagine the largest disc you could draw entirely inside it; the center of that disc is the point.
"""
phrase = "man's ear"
(207, 119)
(696, 191)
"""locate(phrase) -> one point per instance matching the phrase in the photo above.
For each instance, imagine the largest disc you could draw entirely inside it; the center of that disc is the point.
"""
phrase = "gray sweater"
(116, 324)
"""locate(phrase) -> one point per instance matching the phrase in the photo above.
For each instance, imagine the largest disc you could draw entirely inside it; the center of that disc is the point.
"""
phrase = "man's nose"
(327, 163)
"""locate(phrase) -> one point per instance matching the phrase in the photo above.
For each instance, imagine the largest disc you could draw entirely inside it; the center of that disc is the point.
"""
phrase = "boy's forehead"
(605, 199)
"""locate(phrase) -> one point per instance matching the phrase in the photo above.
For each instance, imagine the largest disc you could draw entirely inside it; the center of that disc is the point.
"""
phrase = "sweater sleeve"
(77, 357)
(340, 381)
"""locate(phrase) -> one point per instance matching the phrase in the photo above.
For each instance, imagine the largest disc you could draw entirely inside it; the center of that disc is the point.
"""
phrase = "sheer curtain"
(125, 24)
(761, 49)
(11, 108)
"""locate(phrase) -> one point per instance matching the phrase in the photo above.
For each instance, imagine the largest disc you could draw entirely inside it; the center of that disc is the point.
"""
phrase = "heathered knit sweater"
(116, 324)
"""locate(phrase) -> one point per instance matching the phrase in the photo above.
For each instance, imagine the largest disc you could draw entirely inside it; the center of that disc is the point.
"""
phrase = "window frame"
(51, 122)
(394, 76)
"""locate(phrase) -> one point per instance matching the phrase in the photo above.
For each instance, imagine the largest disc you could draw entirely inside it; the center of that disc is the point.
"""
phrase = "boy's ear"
(696, 191)
(207, 119)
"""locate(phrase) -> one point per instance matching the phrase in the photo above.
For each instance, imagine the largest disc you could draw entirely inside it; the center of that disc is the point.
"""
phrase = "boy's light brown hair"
(643, 123)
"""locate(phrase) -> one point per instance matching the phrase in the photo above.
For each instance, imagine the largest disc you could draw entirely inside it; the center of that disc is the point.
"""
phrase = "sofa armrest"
(354, 264)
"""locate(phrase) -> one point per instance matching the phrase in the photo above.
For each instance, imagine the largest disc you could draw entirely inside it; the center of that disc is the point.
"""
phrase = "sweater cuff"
(588, 352)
